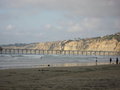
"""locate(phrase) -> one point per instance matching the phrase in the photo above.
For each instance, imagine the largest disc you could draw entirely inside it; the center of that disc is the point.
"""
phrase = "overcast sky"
(28, 21)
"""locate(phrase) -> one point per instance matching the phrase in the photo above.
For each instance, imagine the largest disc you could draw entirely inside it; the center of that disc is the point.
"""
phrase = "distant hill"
(105, 43)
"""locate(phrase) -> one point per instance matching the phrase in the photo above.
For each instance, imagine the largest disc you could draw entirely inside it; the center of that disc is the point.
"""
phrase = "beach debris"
(48, 65)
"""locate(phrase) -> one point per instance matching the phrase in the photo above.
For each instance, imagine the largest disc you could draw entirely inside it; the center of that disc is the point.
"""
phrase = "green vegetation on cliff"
(113, 36)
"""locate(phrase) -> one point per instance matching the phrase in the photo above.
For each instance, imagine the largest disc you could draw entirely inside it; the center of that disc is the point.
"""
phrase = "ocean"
(12, 61)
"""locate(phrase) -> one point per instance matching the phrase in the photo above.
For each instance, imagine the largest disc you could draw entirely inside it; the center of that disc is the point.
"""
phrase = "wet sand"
(102, 77)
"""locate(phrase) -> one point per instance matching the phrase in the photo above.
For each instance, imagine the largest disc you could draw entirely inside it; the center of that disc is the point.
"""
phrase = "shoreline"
(59, 65)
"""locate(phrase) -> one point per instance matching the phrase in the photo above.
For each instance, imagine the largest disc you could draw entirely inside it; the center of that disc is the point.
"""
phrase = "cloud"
(84, 24)
(52, 27)
(10, 27)
(46, 19)
(117, 24)
(75, 28)
(48, 26)
(92, 24)
(74, 7)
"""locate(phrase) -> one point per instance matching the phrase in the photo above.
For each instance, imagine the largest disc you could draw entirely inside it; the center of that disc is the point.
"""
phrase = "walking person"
(116, 60)
(110, 60)
(96, 61)
(1, 50)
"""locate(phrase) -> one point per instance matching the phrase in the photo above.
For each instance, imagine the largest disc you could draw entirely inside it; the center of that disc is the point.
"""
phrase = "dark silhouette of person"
(110, 60)
(116, 60)
(96, 61)
(1, 50)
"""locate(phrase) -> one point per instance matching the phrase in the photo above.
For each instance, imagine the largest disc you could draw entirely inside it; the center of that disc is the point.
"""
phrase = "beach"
(100, 77)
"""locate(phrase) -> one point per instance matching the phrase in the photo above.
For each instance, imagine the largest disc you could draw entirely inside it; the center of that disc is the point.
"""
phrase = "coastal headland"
(104, 43)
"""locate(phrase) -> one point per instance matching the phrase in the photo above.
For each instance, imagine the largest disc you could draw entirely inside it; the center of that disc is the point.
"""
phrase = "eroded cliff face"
(89, 45)
(49, 46)
(106, 43)
(93, 45)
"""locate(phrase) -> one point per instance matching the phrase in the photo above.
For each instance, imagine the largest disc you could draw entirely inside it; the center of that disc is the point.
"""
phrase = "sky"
(29, 21)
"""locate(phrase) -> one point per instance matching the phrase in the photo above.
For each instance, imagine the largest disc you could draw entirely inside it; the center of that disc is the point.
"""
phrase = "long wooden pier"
(57, 52)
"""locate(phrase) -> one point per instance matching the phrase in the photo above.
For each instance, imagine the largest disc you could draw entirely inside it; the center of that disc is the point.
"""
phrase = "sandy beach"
(102, 77)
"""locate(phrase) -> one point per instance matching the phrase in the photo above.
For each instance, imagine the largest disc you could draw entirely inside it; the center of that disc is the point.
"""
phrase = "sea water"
(9, 61)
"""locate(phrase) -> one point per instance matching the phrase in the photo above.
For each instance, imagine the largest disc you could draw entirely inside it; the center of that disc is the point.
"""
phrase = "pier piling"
(64, 52)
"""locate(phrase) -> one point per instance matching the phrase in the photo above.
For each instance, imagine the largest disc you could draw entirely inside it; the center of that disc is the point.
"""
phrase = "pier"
(57, 52)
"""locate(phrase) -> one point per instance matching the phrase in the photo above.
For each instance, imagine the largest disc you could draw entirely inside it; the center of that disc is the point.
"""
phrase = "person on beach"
(1, 50)
(116, 60)
(110, 60)
(96, 61)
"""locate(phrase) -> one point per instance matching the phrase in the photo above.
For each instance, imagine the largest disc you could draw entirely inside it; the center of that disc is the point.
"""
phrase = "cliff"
(105, 43)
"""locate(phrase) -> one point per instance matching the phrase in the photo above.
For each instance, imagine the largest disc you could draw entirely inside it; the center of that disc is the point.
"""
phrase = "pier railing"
(62, 52)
